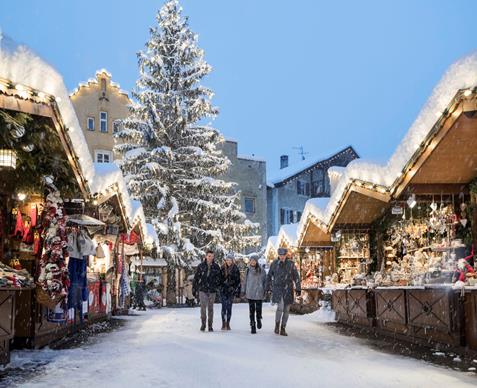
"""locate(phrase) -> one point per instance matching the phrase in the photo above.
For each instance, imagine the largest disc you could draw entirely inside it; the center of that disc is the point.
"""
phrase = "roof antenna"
(301, 152)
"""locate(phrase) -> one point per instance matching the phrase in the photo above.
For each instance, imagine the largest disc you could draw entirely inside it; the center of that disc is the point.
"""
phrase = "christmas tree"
(170, 156)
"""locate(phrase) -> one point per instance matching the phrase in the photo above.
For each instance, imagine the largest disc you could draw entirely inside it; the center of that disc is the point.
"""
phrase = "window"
(302, 188)
(103, 85)
(317, 188)
(249, 205)
(103, 121)
(103, 156)
(117, 125)
(90, 123)
(287, 216)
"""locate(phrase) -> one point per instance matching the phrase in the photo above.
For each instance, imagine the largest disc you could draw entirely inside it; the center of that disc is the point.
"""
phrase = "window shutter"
(282, 216)
(298, 216)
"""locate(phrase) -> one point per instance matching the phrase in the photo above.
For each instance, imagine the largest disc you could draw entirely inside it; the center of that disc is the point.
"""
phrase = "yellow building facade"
(100, 104)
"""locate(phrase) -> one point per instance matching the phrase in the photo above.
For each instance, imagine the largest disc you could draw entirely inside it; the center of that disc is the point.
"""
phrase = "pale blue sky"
(322, 74)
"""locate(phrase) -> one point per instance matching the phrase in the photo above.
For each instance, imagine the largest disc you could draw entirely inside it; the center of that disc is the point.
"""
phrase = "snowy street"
(164, 348)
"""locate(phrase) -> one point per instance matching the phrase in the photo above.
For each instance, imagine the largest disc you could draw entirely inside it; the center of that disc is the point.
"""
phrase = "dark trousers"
(227, 302)
(255, 309)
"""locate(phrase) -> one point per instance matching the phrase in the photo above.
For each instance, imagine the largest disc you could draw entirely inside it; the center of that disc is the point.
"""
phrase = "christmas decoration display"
(169, 154)
(53, 277)
(10, 277)
(353, 256)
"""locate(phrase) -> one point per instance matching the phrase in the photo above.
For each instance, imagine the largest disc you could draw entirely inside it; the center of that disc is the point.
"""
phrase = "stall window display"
(353, 257)
(314, 264)
(433, 247)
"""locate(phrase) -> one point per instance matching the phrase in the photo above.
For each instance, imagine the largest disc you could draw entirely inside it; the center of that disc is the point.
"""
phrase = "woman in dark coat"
(230, 288)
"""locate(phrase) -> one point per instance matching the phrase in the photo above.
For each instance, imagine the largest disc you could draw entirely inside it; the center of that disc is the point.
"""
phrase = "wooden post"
(141, 261)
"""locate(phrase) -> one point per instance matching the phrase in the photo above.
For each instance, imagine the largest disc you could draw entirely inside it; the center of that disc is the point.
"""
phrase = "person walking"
(139, 295)
(254, 289)
(230, 288)
(207, 281)
(284, 281)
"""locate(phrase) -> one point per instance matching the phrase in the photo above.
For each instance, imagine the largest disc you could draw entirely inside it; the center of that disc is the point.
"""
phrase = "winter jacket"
(282, 279)
(207, 279)
(254, 284)
(230, 282)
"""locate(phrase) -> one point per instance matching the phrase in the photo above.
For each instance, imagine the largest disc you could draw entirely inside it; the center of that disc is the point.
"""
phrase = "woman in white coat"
(254, 289)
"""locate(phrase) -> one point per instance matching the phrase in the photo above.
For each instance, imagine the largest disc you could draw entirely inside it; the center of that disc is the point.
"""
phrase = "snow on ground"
(164, 348)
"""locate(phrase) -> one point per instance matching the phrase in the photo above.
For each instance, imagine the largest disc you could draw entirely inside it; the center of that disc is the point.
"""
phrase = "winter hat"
(230, 256)
(282, 251)
(254, 256)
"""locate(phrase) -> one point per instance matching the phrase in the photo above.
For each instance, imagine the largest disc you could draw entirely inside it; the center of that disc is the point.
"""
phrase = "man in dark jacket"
(207, 281)
(284, 281)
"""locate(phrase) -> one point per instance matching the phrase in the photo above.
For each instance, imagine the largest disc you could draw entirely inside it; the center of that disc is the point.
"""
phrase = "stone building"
(291, 186)
(249, 173)
(100, 104)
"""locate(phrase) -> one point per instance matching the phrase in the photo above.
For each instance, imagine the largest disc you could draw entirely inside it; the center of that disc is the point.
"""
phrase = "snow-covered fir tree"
(170, 155)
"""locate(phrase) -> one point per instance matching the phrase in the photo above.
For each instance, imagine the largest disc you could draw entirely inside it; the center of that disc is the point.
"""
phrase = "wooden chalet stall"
(421, 227)
(362, 202)
(48, 187)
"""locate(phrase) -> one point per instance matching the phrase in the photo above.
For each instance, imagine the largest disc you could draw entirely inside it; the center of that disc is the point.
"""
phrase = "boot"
(259, 323)
(277, 327)
(210, 327)
(224, 325)
(254, 330)
(228, 325)
(202, 327)
(283, 331)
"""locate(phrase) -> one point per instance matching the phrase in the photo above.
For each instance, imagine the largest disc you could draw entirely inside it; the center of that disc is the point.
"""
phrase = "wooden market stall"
(47, 180)
(422, 232)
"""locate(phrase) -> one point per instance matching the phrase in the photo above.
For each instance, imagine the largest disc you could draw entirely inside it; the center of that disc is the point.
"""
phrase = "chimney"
(283, 161)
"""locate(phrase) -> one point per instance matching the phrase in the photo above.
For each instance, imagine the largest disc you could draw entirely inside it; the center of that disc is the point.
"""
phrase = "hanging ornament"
(18, 132)
(28, 147)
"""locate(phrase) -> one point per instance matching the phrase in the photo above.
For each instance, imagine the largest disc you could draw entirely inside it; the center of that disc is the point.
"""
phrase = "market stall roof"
(311, 230)
(29, 84)
(447, 160)
(272, 246)
(287, 235)
(380, 182)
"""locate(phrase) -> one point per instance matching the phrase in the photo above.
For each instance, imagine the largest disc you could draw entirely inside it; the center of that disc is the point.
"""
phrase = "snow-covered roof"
(283, 174)
(26, 70)
(288, 234)
(19, 65)
(461, 75)
(272, 246)
(335, 173)
(94, 81)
